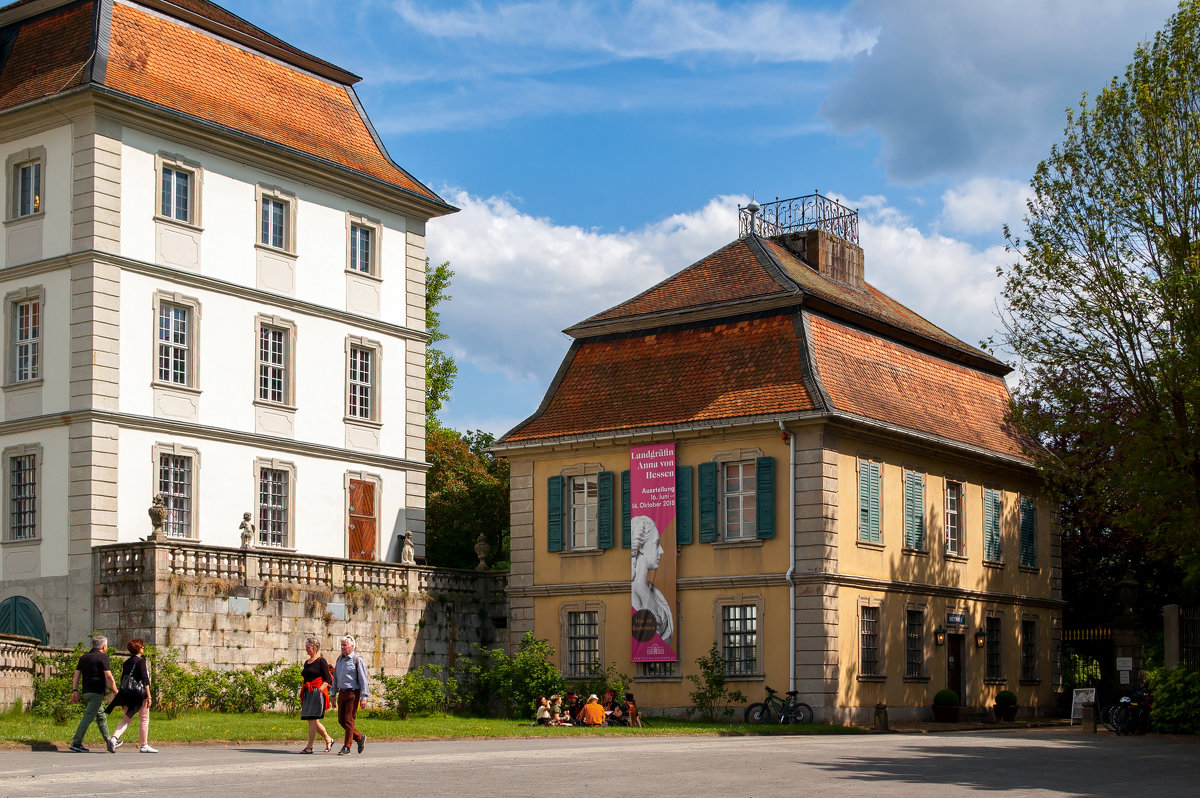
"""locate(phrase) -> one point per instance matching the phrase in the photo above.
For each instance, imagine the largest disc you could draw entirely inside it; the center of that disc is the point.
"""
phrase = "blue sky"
(596, 148)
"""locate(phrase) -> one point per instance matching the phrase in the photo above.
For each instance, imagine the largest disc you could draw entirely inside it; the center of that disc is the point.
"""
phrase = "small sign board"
(1124, 677)
(1081, 696)
(1124, 663)
(956, 619)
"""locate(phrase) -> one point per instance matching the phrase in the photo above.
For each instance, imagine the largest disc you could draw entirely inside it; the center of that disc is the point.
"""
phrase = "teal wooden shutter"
(604, 510)
(554, 514)
(764, 498)
(1028, 532)
(992, 549)
(626, 512)
(683, 505)
(868, 501)
(914, 510)
(708, 502)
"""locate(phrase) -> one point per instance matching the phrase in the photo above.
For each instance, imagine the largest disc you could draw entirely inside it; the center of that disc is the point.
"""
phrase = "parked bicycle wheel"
(758, 713)
(1106, 717)
(798, 713)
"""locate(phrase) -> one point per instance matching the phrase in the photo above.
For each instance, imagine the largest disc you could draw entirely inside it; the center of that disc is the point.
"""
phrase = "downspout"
(790, 576)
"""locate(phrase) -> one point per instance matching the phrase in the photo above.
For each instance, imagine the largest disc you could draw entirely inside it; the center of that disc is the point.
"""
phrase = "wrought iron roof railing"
(810, 212)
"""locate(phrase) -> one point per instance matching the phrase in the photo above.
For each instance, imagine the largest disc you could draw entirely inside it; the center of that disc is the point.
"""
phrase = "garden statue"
(247, 527)
(482, 550)
(408, 552)
(158, 516)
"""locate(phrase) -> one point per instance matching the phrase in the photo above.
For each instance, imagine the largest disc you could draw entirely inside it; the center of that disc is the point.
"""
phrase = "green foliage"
(440, 369)
(1176, 707)
(420, 692)
(466, 496)
(174, 687)
(496, 685)
(1101, 305)
(1004, 698)
(946, 698)
(286, 683)
(711, 698)
(52, 695)
(598, 678)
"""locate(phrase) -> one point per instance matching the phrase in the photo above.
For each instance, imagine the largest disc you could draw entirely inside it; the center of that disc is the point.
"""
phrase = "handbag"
(132, 683)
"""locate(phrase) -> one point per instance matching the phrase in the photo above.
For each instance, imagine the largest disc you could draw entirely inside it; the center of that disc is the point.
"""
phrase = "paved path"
(1038, 762)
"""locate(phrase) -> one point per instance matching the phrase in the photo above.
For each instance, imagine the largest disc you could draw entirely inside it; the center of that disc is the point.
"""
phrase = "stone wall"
(16, 671)
(229, 608)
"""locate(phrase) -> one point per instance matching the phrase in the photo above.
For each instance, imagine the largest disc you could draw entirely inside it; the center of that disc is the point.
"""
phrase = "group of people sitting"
(573, 710)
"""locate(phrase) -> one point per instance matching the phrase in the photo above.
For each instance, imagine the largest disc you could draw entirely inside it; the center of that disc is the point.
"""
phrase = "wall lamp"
(980, 638)
(939, 635)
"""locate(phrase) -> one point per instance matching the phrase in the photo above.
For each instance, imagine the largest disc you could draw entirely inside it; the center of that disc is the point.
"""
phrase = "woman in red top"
(314, 694)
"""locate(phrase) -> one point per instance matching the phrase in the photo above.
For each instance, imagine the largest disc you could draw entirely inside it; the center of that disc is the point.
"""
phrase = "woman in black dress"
(314, 694)
(134, 695)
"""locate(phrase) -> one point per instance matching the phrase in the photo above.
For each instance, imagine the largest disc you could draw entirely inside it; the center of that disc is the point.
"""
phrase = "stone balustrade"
(16, 670)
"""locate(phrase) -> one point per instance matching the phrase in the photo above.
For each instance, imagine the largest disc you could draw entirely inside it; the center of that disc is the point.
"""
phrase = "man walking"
(350, 682)
(96, 674)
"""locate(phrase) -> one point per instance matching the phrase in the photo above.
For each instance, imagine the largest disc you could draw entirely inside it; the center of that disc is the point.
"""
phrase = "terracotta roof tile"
(196, 74)
(725, 370)
(221, 16)
(870, 376)
(47, 55)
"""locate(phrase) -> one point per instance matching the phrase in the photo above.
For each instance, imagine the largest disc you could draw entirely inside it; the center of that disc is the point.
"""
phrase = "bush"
(52, 695)
(710, 696)
(419, 692)
(1176, 708)
(174, 687)
(1004, 698)
(597, 679)
(495, 684)
(946, 698)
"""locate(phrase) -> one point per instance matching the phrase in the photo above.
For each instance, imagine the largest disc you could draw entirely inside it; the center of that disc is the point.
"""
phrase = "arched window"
(20, 616)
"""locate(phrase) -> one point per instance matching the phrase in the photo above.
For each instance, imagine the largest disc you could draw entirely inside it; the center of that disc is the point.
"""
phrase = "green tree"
(440, 369)
(1102, 306)
(466, 496)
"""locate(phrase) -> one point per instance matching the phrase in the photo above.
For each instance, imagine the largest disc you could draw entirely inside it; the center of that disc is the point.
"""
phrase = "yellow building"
(853, 517)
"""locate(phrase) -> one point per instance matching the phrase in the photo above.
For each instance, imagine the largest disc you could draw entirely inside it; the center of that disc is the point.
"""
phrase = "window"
(273, 353)
(869, 641)
(869, 479)
(174, 341)
(1028, 532)
(362, 383)
(914, 510)
(175, 484)
(954, 536)
(276, 219)
(22, 496)
(584, 508)
(27, 337)
(28, 180)
(1029, 650)
(739, 499)
(994, 663)
(361, 249)
(273, 506)
(993, 547)
(583, 642)
(176, 193)
(914, 644)
(656, 670)
(273, 225)
(739, 638)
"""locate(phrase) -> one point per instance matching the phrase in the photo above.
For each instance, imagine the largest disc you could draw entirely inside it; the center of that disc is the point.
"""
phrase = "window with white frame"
(739, 638)
(175, 193)
(175, 485)
(869, 662)
(994, 668)
(583, 642)
(274, 506)
(955, 544)
(914, 643)
(27, 339)
(1029, 670)
(22, 495)
(362, 249)
(27, 185)
(174, 344)
(361, 382)
(583, 496)
(993, 507)
(738, 495)
(274, 363)
(273, 231)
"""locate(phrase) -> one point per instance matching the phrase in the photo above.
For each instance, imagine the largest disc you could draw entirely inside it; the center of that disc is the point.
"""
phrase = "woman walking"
(314, 694)
(134, 696)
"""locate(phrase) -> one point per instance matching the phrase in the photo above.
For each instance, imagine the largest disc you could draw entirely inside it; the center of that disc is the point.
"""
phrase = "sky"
(595, 148)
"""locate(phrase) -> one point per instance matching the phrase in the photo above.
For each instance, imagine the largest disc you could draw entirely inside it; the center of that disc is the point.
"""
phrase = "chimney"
(820, 231)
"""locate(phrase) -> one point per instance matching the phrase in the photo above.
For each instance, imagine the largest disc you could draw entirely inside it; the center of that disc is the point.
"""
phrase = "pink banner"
(652, 551)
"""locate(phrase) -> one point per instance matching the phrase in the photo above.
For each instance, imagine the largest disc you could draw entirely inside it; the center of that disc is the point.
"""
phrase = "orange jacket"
(592, 714)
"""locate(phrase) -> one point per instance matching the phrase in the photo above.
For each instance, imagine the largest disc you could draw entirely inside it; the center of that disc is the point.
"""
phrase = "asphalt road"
(1034, 762)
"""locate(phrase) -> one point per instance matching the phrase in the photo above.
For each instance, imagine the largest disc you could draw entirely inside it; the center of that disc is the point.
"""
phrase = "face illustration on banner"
(651, 610)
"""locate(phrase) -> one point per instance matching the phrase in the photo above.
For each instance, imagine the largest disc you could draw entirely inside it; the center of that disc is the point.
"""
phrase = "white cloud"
(772, 31)
(983, 205)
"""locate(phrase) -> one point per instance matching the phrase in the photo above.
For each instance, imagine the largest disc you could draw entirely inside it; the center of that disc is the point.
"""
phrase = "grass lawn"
(213, 727)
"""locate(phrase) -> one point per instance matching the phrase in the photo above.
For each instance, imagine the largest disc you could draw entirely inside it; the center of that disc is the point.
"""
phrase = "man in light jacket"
(351, 683)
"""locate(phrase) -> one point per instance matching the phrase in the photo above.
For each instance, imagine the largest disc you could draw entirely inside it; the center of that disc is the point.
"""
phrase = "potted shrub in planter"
(1006, 706)
(945, 706)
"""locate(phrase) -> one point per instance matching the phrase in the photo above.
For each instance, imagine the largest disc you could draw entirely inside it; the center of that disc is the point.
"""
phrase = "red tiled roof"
(879, 379)
(47, 56)
(724, 370)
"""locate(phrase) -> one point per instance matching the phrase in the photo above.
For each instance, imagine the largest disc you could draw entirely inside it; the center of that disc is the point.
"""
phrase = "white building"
(214, 288)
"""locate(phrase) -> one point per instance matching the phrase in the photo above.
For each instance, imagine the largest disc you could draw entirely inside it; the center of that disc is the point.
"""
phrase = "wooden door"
(954, 665)
(361, 531)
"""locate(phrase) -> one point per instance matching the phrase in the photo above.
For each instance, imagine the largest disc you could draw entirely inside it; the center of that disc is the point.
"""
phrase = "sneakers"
(345, 751)
(145, 749)
(78, 748)
(111, 745)
(362, 742)
(118, 743)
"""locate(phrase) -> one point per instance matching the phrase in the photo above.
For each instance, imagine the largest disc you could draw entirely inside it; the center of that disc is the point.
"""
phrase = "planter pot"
(945, 714)
(1005, 714)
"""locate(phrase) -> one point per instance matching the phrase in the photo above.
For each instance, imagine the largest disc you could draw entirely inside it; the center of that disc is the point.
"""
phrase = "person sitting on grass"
(592, 713)
(558, 716)
(616, 717)
(543, 712)
(630, 711)
(574, 705)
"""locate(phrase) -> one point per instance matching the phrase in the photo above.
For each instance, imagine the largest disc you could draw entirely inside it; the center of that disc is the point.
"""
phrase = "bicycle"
(1130, 715)
(789, 711)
